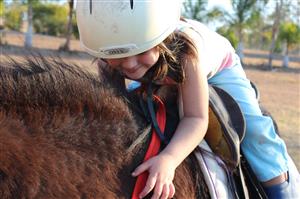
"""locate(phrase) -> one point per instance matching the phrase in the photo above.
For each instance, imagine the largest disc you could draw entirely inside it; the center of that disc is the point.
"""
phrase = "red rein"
(153, 148)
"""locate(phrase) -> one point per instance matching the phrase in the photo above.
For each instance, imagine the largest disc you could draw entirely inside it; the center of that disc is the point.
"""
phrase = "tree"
(195, 9)
(242, 10)
(66, 46)
(275, 27)
(50, 19)
(28, 34)
(282, 13)
(1, 11)
(1, 20)
(13, 15)
(290, 33)
(257, 30)
(47, 17)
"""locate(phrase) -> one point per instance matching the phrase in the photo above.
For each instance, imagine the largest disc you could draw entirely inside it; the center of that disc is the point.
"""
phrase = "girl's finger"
(140, 169)
(165, 192)
(157, 190)
(171, 190)
(149, 186)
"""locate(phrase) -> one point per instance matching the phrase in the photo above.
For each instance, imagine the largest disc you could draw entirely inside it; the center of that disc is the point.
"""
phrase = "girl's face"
(136, 66)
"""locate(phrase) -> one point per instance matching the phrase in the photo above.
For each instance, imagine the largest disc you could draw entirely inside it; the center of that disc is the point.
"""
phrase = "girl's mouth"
(131, 70)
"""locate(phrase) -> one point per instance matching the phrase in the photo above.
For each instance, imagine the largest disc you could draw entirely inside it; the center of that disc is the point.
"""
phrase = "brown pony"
(66, 133)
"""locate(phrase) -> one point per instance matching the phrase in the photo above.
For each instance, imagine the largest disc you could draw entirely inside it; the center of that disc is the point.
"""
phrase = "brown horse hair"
(48, 106)
(66, 134)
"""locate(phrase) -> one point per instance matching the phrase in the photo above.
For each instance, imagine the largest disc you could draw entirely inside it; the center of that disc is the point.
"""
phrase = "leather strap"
(150, 98)
(154, 146)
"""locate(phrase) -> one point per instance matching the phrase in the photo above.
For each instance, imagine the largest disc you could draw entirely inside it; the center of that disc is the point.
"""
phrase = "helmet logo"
(131, 4)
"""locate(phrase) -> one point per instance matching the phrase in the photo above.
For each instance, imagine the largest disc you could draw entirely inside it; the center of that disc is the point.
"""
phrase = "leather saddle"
(225, 133)
(226, 127)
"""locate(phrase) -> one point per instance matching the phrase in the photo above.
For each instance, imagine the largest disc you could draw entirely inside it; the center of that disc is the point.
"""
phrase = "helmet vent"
(116, 51)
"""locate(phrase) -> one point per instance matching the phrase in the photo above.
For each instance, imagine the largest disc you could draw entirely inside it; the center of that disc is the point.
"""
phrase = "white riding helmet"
(122, 28)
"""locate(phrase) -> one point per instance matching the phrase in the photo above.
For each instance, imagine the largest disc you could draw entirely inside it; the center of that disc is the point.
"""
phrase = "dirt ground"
(279, 89)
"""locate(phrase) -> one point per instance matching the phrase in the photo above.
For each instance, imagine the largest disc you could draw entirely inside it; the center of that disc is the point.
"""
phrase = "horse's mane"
(51, 112)
(49, 92)
(66, 105)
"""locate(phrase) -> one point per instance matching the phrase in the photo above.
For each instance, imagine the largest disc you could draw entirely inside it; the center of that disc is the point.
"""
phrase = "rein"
(155, 122)
(158, 123)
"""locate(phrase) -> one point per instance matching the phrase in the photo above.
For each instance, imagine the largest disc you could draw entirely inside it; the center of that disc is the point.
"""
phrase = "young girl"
(147, 41)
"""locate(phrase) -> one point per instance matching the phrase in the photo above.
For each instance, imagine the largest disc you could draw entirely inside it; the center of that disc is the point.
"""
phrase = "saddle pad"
(214, 174)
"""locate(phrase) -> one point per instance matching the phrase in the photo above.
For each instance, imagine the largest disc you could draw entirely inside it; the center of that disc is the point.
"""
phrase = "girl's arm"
(194, 121)
(189, 133)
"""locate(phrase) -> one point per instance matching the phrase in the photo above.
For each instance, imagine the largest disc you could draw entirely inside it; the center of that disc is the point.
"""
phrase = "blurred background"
(265, 34)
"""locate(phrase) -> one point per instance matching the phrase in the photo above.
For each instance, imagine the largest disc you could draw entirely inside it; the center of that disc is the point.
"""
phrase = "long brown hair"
(174, 51)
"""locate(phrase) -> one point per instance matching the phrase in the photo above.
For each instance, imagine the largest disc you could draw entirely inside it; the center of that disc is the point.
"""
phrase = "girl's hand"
(161, 170)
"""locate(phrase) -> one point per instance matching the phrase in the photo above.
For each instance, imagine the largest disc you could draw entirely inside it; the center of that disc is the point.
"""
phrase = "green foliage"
(290, 33)
(278, 46)
(215, 13)
(243, 14)
(13, 15)
(263, 39)
(1, 8)
(1, 16)
(258, 33)
(230, 35)
(195, 9)
(50, 19)
(242, 9)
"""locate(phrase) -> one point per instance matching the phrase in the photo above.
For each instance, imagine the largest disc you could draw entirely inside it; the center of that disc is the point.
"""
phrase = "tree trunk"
(286, 57)
(239, 50)
(286, 61)
(240, 47)
(66, 46)
(28, 35)
(275, 28)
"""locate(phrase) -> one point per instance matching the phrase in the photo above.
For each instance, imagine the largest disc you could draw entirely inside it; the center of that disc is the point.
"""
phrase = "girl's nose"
(129, 62)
